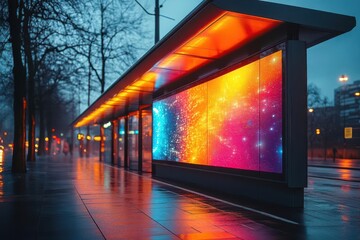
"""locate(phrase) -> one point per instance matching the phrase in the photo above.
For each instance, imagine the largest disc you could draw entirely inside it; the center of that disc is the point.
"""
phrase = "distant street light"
(357, 94)
(343, 78)
(311, 136)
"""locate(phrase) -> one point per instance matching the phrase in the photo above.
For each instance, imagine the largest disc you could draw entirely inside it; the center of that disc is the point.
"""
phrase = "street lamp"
(343, 79)
(311, 136)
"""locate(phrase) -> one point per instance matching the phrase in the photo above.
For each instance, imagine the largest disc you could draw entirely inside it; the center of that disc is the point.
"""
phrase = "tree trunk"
(102, 50)
(31, 89)
(41, 150)
(48, 117)
(18, 160)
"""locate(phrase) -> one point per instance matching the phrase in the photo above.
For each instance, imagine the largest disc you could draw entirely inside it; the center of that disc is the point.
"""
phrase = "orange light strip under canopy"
(226, 32)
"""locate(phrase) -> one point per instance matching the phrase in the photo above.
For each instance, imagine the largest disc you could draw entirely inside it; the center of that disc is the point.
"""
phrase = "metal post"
(102, 144)
(87, 145)
(114, 142)
(140, 156)
(126, 143)
(343, 110)
(157, 21)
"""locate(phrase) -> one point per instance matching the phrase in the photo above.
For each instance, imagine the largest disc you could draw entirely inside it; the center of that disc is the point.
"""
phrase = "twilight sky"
(326, 61)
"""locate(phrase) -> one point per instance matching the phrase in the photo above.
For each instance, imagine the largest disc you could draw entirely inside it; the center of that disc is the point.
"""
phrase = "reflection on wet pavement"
(64, 198)
(2, 159)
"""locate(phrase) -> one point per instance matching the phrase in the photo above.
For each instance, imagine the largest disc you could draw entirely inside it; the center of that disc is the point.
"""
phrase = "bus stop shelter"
(220, 103)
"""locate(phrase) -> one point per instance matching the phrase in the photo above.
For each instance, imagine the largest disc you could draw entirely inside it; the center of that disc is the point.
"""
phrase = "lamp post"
(357, 120)
(343, 79)
(157, 17)
(311, 137)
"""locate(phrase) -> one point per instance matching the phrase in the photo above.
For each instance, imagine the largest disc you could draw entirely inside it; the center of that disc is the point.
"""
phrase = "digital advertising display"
(232, 121)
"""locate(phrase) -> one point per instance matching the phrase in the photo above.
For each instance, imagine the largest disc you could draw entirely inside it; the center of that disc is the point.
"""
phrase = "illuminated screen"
(133, 141)
(232, 121)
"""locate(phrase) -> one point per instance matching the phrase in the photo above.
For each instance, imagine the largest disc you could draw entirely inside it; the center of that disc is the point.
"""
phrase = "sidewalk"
(353, 164)
(64, 198)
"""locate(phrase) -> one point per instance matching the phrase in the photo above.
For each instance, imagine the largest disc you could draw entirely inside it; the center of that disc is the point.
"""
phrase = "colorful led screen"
(232, 121)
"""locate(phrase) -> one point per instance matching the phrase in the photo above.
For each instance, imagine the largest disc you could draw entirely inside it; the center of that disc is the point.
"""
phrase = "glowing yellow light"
(97, 138)
(357, 94)
(37, 139)
(317, 131)
(311, 110)
(80, 136)
(149, 76)
(343, 78)
(88, 137)
(46, 139)
(36, 145)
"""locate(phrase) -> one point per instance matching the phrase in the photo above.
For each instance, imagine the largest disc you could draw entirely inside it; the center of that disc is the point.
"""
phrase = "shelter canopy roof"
(209, 33)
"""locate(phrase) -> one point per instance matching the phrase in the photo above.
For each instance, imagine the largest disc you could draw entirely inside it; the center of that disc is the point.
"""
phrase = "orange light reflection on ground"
(1, 156)
(345, 188)
(345, 174)
(345, 218)
(346, 163)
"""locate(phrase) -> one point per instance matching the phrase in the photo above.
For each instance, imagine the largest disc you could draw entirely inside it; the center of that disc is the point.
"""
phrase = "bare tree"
(321, 121)
(47, 27)
(52, 38)
(15, 10)
(116, 36)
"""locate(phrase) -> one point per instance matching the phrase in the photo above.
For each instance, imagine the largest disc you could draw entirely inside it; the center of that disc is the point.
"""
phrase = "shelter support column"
(114, 142)
(126, 143)
(140, 141)
(102, 144)
(87, 146)
(296, 114)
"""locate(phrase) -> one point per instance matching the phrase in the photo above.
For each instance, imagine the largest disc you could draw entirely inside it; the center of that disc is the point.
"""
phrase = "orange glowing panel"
(181, 62)
(226, 33)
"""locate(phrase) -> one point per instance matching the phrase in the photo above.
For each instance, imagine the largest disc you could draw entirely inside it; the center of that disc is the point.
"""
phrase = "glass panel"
(232, 121)
(94, 146)
(271, 113)
(133, 144)
(180, 127)
(107, 142)
(146, 140)
(121, 142)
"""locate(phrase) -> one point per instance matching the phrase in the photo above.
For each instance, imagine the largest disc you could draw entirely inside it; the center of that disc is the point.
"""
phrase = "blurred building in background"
(336, 129)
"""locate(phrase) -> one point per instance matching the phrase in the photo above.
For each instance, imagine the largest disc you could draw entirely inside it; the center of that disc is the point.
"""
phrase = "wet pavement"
(64, 198)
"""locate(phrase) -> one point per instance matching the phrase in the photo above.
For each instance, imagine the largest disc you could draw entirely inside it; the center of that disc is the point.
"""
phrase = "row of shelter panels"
(220, 102)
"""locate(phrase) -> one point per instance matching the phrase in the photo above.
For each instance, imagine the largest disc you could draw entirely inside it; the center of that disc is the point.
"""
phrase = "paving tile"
(207, 235)
(85, 199)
